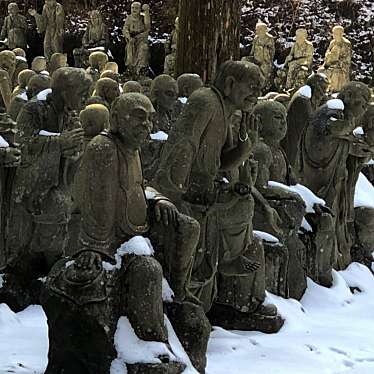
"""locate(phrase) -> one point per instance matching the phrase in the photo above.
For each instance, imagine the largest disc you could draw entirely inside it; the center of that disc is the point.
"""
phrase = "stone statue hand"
(32, 12)
(248, 172)
(12, 157)
(166, 211)
(273, 218)
(71, 141)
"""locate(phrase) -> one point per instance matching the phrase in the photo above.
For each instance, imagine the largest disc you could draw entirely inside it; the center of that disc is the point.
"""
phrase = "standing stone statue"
(50, 140)
(199, 146)
(337, 62)
(330, 156)
(7, 68)
(97, 294)
(171, 50)
(14, 28)
(51, 22)
(262, 52)
(300, 56)
(135, 32)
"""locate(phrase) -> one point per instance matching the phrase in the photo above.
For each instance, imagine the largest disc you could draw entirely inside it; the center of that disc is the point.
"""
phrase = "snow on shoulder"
(364, 193)
(160, 136)
(42, 95)
(305, 91)
(266, 237)
(335, 104)
(3, 143)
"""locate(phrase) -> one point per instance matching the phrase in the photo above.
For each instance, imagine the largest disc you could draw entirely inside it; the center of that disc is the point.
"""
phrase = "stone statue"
(23, 80)
(110, 74)
(302, 106)
(164, 93)
(330, 157)
(107, 89)
(135, 32)
(262, 52)
(188, 83)
(111, 166)
(200, 144)
(39, 64)
(14, 28)
(300, 56)
(51, 22)
(58, 60)
(337, 62)
(97, 62)
(111, 65)
(50, 139)
(7, 68)
(132, 86)
(171, 50)
(21, 63)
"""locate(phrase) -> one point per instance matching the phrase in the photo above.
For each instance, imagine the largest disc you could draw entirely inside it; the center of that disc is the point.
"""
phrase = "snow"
(371, 162)
(2, 281)
(3, 143)
(167, 292)
(266, 237)
(23, 96)
(335, 104)
(358, 131)
(305, 91)
(48, 133)
(305, 225)
(42, 95)
(21, 58)
(305, 193)
(160, 136)
(183, 99)
(364, 193)
(44, 72)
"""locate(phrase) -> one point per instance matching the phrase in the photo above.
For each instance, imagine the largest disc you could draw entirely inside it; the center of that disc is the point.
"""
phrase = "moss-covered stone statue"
(338, 57)
(330, 158)
(187, 84)
(107, 89)
(302, 106)
(200, 145)
(171, 50)
(41, 201)
(300, 56)
(39, 64)
(132, 86)
(58, 60)
(7, 68)
(14, 28)
(23, 80)
(51, 23)
(262, 52)
(135, 32)
(100, 284)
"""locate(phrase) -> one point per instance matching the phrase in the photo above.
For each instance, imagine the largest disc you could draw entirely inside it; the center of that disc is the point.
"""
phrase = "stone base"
(169, 368)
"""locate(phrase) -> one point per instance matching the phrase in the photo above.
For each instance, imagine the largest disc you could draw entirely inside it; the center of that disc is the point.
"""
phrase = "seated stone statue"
(7, 67)
(97, 293)
(41, 200)
(330, 158)
(23, 80)
(302, 106)
(21, 64)
(171, 51)
(135, 32)
(58, 60)
(107, 89)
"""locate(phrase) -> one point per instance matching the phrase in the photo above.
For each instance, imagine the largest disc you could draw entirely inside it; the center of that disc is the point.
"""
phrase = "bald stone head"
(108, 89)
(8, 61)
(98, 60)
(164, 92)
(19, 52)
(38, 83)
(58, 60)
(94, 118)
(188, 83)
(132, 86)
(24, 77)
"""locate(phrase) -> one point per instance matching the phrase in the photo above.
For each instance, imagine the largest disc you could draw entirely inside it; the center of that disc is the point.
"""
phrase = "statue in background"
(135, 32)
(171, 50)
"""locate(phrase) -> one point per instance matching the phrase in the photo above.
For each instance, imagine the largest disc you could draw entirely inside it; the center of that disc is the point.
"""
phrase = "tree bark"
(209, 32)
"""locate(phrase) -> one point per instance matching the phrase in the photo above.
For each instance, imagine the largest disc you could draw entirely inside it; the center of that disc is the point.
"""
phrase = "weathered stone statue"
(300, 56)
(51, 22)
(330, 158)
(107, 89)
(58, 60)
(21, 63)
(262, 52)
(199, 146)
(110, 74)
(135, 32)
(23, 79)
(132, 86)
(171, 50)
(97, 293)
(97, 62)
(111, 65)
(337, 62)
(39, 64)
(7, 67)
(164, 93)
(41, 201)
(14, 28)
(188, 83)
(302, 106)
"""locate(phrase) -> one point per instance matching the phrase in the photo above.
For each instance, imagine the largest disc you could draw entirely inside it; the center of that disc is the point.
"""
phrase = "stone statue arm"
(97, 199)
(147, 18)
(5, 88)
(271, 47)
(332, 55)
(10, 157)
(41, 21)
(85, 38)
(290, 56)
(126, 30)
(252, 53)
(60, 19)
(4, 29)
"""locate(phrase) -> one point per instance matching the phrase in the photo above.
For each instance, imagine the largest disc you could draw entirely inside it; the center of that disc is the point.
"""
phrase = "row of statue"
(292, 75)
(166, 199)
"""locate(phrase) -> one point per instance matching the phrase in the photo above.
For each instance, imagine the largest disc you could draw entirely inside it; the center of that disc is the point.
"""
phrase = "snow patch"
(3, 143)
(335, 104)
(167, 292)
(266, 237)
(2, 280)
(183, 99)
(305, 91)
(42, 95)
(48, 133)
(160, 136)
(358, 131)
(364, 193)
(23, 96)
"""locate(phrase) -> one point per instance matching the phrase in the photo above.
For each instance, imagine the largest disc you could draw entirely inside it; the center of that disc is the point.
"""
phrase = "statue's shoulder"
(205, 96)
(309, 43)
(346, 42)
(101, 144)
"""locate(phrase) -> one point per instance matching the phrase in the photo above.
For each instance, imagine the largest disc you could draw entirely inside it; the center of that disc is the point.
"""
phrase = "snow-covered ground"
(331, 331)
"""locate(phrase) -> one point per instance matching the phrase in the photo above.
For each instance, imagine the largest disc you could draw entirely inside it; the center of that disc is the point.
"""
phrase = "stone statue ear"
(229, 84)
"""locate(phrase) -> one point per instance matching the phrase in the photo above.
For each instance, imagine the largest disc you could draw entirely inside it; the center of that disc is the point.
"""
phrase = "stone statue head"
(38, 83)
(132, 86)
(72, 86)
(111, 65)
(97, 100)
(301, 36)
(24, 77)
(108, 89)
(58, 60)
(8, 61)
(283, 98)
(95, 17)
(164, 92)
(367, 124)
(136, 8)
(94, 118)
(98, 60)
(338, 33)
(39, 63)
(130, 119)
(188, 83)
(50, 3)
(272, 120)
(110, 74)
(240, 84)
(13, 9)
(319, 84)
(356, 98)
(19, 52)
(261, 29)
(262, 153)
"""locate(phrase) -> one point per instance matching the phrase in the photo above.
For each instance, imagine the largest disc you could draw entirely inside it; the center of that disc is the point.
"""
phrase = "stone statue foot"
(264, 318)
(164, 368)
(242, 265)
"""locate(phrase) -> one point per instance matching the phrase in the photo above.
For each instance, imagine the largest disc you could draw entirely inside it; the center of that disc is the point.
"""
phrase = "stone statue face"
(244, 95)
(301, 36)
(357, 104)
(166, 94)
(337, 33)
(13, 9)
(51, 3)
(76, 94)
(95, 17)
(136, 8)
(278, 123)
(273, 121)
(261, 30)
(39, 64)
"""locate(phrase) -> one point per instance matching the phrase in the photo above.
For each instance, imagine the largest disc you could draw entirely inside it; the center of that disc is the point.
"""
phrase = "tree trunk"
(209, 32)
